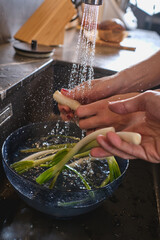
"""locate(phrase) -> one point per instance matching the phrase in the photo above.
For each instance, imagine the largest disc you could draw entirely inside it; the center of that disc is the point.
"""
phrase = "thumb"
(130, 105)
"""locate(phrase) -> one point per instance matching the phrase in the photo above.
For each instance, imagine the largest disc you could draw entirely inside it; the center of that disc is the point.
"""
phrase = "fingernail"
(64, 90)
(112, 102)
(68, 117)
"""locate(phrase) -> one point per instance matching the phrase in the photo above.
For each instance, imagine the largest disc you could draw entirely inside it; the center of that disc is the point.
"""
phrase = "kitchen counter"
(145, 42)
(14, 69)
(131, 213)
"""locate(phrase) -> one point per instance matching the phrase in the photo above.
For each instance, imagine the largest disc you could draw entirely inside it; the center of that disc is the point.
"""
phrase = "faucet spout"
(93, 2)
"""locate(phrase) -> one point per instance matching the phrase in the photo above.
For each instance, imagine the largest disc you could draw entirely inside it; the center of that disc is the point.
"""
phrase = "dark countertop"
(14, 68)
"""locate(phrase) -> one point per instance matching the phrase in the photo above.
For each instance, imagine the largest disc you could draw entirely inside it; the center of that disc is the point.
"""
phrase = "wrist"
(120, 82)
(132, 80)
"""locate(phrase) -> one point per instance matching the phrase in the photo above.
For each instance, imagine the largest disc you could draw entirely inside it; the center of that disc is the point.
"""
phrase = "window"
(151, 7)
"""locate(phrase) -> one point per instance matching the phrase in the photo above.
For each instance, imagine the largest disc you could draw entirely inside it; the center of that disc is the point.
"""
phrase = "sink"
(31, 100)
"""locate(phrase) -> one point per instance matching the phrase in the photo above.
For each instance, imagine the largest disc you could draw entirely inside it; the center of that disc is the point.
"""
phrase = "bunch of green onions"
(57, 159)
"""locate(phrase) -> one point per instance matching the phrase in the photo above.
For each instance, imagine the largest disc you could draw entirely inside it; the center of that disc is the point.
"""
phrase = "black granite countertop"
(14, 69)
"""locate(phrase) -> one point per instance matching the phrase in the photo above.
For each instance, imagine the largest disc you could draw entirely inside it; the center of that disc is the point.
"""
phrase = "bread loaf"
(112, 30)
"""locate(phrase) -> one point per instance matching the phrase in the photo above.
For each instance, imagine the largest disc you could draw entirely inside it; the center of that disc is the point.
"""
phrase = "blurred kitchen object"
(75, 20)
(93, 2)
(13, 14)
(33, 50)
(147, 14)
(47, 24)
(118, 9)
(149, 7)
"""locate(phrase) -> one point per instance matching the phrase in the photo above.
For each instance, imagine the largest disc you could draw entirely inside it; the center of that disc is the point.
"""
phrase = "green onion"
(80, 176)
(106, 181)
(56, 146)
(61, 154)
(32, 161)
(46, 176)
(114, 171)
(51, 172)
(113, 168)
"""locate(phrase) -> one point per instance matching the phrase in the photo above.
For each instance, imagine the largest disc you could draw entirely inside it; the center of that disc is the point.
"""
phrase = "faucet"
(93, 2)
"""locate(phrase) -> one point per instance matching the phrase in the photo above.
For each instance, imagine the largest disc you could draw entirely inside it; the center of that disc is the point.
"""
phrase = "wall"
(13, 14)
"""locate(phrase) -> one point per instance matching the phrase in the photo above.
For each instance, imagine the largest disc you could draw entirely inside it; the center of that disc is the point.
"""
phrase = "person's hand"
(88, 92)
(93, 90)
(97, 115)
(148, 127)
(136, 78)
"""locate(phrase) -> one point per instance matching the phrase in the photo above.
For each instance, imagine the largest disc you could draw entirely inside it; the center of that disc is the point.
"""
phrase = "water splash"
(82, 68)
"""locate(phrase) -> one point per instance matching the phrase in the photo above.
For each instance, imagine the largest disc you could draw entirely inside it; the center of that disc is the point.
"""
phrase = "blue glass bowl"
(56, 202)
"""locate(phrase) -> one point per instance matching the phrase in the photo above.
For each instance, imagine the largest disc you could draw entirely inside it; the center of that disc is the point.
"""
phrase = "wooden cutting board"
(47, 24)
(102, 43)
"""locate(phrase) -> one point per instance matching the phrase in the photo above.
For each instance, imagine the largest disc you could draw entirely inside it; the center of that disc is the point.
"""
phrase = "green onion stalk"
(84, 144)
(57, 158)
(32, 161)
(56, 147)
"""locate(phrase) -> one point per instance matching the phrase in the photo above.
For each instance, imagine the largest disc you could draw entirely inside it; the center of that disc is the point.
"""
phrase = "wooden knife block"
(47, 24)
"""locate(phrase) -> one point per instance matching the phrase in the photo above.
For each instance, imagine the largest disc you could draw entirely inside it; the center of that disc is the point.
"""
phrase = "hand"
(97, 115)
(66, 113)
(136, 78)
(148, 127)
(89, 92)
(96, 89)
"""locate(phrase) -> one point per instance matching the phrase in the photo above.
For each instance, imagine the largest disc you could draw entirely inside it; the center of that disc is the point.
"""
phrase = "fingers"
(130, 105)
(101, 153)
(74, 93)
(87, 115)
(141, 102)
(79, 93)
(114, 146)
(65, 112)
(64, 109)
(114, 149)
(67, 117)
(129, 149)
(88, 91)
(67, 92)
(86, 111)
(92, 122)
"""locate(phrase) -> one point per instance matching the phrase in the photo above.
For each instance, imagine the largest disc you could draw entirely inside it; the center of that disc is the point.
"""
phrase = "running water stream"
(82, 69)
